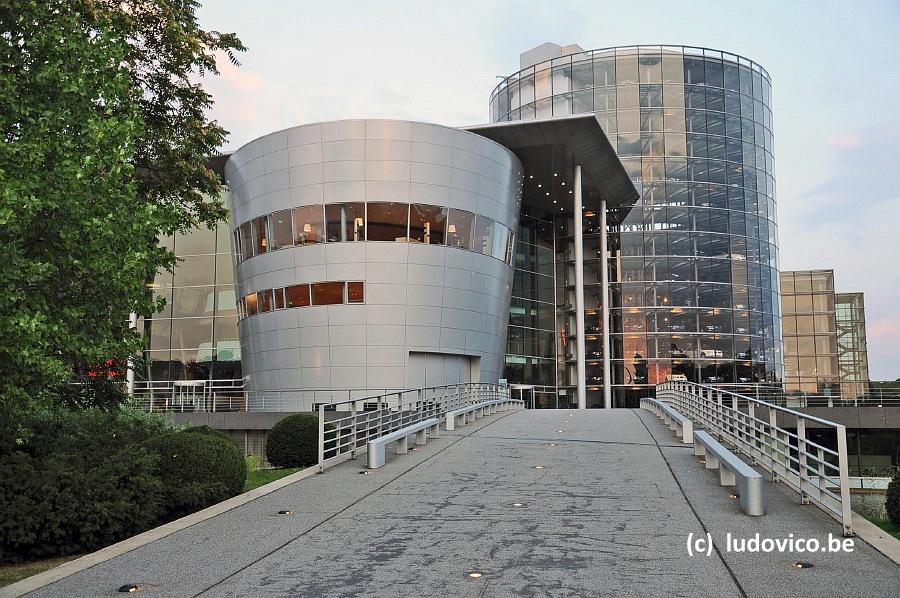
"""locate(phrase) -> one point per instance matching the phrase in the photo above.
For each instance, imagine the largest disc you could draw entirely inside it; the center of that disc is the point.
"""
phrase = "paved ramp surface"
(608, 514)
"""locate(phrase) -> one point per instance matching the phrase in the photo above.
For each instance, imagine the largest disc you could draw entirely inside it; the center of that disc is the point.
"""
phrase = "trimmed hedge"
(892, 500)
(77, 481)
(198, 468)
(294, 441)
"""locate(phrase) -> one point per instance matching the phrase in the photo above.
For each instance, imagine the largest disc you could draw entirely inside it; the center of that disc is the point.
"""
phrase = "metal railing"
(345, 427)
(872, 396)
(774, 437)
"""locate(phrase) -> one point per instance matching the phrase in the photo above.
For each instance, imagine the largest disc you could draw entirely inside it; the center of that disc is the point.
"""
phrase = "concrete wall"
(419, 298)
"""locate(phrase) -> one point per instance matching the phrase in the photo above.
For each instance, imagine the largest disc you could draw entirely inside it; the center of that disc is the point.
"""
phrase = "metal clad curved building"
(694, 266)
(371, 255)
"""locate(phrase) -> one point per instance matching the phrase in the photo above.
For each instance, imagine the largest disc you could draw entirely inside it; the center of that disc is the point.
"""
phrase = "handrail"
(752, 426)
(345, 427)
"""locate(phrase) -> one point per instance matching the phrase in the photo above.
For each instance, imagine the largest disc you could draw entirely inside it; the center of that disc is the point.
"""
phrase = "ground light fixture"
(475, 574)
(364, 472)
(130, 588)
(539, 467)
(802, 565)
(285, 512)
(518, 504)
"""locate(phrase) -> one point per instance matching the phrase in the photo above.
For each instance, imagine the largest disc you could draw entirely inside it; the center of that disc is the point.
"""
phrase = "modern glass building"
(810, 334)
(853, 356)
(195, 337)
(691, 260)
(693, 267)
(825, 349)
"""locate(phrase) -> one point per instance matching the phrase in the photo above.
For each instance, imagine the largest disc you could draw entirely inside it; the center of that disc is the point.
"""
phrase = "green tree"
(105, 142)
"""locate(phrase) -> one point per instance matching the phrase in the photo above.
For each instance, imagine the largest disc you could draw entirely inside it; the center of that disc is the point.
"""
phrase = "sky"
(833, 64)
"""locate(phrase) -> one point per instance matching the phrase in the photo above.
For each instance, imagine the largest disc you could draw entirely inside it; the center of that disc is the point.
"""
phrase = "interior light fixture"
(307, 228)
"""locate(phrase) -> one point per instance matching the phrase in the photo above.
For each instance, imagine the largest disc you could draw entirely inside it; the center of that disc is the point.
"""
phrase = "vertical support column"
(129, 375)
(604, 305)
(580, 372)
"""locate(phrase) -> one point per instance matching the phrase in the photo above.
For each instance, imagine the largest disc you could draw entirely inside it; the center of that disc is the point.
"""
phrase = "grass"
(261, 477)
(886, 526)
(13, 573)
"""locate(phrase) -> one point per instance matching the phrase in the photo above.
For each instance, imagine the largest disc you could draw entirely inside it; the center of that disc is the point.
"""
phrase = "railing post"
(846, 512)
(801, 458)
(773, 433)
(321, 437)
(353, 432)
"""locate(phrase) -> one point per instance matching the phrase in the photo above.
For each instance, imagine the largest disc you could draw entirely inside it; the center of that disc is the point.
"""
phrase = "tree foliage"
(104, 146)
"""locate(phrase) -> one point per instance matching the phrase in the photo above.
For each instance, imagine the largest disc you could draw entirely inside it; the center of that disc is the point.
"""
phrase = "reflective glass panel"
(482, 240)
(327, 293)
(297, 295)
(345, 222)
(427, 224)
(355, 292)
(281, 229)
(387, 221)
(308, 225)
(459, 228)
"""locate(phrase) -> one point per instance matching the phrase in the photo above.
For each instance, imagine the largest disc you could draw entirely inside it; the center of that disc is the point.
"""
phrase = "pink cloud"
(844, 141)
(239, 78)
(883, 327)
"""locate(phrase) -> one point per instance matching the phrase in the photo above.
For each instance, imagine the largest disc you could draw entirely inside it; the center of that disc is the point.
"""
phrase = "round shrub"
(197, 469)
(892, 500)
(294, 441)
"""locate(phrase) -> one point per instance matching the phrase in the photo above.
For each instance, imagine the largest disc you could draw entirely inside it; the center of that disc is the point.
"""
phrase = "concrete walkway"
(608, 513)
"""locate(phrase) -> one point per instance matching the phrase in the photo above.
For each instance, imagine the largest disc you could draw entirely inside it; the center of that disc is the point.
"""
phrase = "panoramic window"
(459, 228)
(426, 224)
(250, 305)
(345, 222)
(484, 229)
(327, 293)
(260, 237)
(387, 221)
(308, 225)
(281, 229)
(264, 299)
(297, 295)
(355, 293)
(246, 235)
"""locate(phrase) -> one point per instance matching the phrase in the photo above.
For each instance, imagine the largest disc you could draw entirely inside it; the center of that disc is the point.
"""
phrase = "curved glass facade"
(693, 266)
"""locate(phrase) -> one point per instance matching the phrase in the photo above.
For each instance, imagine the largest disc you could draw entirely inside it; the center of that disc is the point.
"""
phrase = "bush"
(70, 503)
(197, 469)
(294, 441)
(892, 500)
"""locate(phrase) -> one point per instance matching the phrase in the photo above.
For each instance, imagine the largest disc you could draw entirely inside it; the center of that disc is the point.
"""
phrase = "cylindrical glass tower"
(694, 265)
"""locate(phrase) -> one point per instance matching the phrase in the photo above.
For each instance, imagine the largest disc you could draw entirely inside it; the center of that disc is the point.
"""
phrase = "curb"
(876, 537)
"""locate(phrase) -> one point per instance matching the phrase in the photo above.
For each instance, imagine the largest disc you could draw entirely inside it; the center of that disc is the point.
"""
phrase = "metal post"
(604, 305)
(801, 458)
(580, 370)
(129, 375)
(845, 479)
(321, 437)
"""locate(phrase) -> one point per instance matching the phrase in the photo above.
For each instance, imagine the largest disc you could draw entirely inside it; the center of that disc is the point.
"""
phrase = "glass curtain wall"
(853, 358)
(693, 266)
(810, 335)
(531, 341)
(195, 337)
